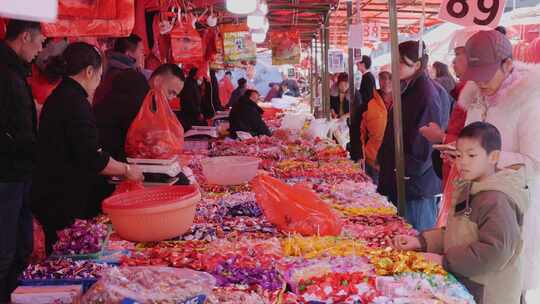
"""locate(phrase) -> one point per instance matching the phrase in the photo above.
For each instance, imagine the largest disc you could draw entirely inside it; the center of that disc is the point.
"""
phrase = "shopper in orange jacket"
(374, 122)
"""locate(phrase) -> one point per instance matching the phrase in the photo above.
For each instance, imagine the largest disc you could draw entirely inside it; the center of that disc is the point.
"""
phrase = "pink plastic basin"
(230, 170)
(153, 214)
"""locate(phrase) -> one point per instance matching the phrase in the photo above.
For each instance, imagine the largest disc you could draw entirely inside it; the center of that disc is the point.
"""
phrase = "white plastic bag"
(318, 128)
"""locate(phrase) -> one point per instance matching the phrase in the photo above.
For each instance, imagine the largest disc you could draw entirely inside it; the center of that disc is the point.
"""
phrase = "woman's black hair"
(441, 69)
(248, 93)
(242, 82)
(75, 58)
(409, 50)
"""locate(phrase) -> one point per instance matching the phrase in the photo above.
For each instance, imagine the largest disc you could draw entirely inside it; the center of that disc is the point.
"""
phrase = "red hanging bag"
(186, 43)
(155, 133)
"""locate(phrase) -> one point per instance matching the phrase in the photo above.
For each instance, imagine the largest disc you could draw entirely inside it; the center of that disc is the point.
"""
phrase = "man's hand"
(433, 133)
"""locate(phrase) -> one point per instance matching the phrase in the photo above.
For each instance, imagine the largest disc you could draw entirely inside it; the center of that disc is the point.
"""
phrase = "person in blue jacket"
(421, 105)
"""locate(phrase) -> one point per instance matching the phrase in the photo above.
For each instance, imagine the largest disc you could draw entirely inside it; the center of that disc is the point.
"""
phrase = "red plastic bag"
(447, 198)
(121, 26)
(127, 186)
(294, 208)
(84, 9)
(155, 133)
(186, 43)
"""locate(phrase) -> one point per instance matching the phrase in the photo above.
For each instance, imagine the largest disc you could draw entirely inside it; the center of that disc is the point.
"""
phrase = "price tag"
(472, 12)
(372, 32)
(42, 10)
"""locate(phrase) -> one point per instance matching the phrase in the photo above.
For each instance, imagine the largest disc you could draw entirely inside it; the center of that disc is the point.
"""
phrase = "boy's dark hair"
(124, 44)
(16, 27)
(501, 29)
(169, 69)
(487, 134)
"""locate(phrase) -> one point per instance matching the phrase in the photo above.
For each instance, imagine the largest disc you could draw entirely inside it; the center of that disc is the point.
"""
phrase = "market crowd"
(54, 162)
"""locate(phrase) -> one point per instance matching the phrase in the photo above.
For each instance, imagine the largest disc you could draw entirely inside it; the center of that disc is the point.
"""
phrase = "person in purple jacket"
(421, 105)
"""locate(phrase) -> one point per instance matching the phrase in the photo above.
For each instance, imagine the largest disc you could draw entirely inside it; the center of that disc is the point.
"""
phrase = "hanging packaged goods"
(285, 48)
(237, 45)
(67, 25)
(186, 43)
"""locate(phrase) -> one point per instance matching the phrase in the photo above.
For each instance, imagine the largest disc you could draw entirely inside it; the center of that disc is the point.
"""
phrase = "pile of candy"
(246, 259)
(149, 285)
(64, 269)
(83, 237)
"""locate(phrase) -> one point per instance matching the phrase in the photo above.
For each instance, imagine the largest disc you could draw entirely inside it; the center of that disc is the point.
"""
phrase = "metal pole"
(326, 83)
(396, 94)
(312, 91)
(323, 74)
(351, 62)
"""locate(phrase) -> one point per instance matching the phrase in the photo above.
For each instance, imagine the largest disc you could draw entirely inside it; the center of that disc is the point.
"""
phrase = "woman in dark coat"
(190, 98)
(421, 105)
(67, 184)
(246, 116)
(210, 101)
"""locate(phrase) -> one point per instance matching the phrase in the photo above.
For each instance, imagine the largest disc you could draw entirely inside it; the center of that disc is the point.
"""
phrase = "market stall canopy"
(307, 16)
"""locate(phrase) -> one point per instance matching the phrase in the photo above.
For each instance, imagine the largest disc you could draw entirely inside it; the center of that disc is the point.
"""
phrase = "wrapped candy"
(64, 269)
(339, 288)
(83, 237)
(149, 285)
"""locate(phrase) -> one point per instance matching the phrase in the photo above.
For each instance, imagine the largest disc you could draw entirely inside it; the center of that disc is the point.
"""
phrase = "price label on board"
(372, 32)
(472, 12)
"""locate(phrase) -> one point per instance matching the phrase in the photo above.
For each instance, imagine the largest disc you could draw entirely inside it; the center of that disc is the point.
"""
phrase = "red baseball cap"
(486, 50)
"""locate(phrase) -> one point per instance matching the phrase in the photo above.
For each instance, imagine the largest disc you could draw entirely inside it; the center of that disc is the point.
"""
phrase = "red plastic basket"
(153, 214)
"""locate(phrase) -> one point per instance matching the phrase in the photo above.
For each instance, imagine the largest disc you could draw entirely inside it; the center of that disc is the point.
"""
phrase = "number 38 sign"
(472, 12)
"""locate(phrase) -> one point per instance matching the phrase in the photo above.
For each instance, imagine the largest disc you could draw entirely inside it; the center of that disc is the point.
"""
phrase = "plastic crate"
(86, 283)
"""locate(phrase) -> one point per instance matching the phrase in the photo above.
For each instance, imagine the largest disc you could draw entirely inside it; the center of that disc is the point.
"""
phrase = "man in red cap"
(507, 96)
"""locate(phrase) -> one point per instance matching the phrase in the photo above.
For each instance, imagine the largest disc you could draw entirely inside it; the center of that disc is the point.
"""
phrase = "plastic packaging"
(84, 9)
(318, 128)
(156, 132)
(149, 285)
(446, 202)
(285, 48)
(295, 208)
(186, 44)
(120, 26)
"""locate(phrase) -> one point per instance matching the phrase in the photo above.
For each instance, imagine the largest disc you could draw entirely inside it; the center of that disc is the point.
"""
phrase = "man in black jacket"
(246, 116)
(363, 96)
(121, 105)
(18, 132)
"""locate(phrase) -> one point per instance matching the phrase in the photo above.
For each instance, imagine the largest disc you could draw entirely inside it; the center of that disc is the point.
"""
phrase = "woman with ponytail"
(68, 182)
(421, 104)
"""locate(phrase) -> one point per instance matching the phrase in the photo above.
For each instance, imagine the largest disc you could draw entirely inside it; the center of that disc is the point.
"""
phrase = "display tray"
(86, 283)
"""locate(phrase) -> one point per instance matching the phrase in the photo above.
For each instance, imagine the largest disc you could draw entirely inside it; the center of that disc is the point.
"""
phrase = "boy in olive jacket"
(482, 241)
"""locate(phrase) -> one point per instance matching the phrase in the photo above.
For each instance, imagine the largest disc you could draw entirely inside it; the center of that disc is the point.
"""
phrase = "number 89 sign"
(472, 12)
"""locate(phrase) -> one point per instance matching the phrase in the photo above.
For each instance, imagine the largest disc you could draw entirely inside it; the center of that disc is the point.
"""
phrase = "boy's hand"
(406, 242)
(433, 258)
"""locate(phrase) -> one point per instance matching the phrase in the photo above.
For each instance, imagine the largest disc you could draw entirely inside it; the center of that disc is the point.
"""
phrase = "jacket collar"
(11, 59)
(250, 103)
(72, 84)
(120, 61)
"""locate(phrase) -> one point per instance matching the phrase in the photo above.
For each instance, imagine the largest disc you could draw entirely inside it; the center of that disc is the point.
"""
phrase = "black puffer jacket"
(246, 116)
(18, 122)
